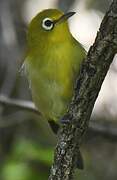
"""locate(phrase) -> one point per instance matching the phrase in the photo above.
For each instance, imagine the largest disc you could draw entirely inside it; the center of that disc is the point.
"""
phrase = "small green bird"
(53, 60)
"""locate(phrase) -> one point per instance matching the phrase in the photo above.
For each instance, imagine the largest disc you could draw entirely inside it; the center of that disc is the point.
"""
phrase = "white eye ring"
(47, 24)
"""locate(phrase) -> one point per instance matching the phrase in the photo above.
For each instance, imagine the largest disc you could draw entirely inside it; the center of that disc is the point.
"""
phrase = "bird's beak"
(64, 17)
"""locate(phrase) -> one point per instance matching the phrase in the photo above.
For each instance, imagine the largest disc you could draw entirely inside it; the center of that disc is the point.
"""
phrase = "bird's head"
(48, 26)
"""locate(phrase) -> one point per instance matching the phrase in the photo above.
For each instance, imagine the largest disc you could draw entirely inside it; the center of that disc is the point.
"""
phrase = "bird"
(53, 59)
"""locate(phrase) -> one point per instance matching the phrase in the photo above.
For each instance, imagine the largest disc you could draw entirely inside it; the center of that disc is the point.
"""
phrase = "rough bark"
(93, 72)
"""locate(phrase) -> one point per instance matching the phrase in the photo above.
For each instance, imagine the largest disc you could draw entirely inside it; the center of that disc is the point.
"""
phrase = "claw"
(66, 119)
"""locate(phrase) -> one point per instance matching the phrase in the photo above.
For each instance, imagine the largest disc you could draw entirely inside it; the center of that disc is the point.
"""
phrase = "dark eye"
(47, 24)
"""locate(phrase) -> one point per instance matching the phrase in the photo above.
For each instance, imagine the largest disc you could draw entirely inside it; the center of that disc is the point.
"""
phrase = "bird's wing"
(78, 57)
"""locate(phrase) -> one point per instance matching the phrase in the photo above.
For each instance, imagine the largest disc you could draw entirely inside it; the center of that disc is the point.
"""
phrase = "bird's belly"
(51, 96)
(51, 84)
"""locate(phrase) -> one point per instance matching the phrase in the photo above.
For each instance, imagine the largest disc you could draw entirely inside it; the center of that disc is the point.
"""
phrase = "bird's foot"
(65, 119)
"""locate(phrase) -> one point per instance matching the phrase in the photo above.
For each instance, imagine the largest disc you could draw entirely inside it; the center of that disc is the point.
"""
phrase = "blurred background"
(26, 142)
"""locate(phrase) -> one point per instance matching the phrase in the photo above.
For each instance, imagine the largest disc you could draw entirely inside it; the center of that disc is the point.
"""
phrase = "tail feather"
(79, 161)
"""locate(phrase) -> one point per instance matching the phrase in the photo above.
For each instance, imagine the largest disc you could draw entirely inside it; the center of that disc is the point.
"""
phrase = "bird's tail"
(79, 160)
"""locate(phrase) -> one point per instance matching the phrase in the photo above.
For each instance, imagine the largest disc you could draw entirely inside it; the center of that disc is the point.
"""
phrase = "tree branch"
(106, 129)
(20, 104)
(93, 72)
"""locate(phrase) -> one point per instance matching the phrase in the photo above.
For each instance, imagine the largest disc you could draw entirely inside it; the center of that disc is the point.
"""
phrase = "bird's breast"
(51, 82)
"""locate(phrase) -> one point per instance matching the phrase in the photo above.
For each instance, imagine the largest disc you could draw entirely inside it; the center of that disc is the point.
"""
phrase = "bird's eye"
(47, 24)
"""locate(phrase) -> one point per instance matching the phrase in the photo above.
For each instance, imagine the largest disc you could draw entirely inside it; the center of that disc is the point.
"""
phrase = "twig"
(106, 129)
(21, 104)
(93, 72)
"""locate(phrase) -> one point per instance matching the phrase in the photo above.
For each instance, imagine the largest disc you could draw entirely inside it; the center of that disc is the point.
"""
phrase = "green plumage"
(53, 60)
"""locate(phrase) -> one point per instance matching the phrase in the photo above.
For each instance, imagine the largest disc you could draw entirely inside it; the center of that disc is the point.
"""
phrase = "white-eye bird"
(52, 61)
